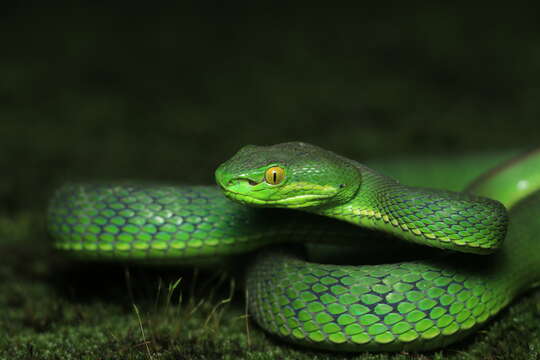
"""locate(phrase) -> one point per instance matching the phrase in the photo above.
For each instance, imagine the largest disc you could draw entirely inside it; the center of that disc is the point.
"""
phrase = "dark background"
(141, 91)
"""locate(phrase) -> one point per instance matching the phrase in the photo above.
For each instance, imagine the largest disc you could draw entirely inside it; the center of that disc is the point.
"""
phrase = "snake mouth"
(297, 201)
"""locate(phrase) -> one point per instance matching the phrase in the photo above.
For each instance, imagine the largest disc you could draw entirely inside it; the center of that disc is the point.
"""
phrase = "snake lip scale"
(414, 305)
(253, 201)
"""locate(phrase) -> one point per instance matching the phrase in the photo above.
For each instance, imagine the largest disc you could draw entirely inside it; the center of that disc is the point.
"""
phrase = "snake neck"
(442, 219)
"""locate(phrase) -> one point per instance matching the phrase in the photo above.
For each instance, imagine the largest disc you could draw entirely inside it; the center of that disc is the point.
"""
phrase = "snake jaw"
(297, 201)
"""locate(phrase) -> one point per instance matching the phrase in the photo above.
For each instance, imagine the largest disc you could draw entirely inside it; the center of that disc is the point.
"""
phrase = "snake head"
(288, 175)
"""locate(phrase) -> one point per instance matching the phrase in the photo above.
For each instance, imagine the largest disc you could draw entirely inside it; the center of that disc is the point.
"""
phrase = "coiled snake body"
(417, 305)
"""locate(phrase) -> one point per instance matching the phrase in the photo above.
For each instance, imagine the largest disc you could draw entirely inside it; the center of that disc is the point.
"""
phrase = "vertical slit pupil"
(275, 176)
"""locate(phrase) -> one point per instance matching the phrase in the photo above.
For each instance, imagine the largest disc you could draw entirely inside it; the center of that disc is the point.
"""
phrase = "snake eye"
(274, 175)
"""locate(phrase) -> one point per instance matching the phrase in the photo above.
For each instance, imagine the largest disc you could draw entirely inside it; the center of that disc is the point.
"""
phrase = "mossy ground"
(95, 92)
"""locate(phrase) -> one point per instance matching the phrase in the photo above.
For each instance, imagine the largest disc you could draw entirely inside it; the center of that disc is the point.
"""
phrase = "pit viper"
(272, 199)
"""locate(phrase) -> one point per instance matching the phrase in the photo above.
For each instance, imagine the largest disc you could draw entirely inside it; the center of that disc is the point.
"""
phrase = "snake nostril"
(252, 183)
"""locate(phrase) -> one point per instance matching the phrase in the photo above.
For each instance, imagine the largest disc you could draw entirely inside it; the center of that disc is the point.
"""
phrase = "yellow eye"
(274, 175)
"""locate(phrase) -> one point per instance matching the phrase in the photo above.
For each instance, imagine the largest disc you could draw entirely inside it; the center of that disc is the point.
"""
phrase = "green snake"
(490, 255)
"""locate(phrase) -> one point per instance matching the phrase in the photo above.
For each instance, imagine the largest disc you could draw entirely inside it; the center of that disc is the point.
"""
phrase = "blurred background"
(89, 90)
